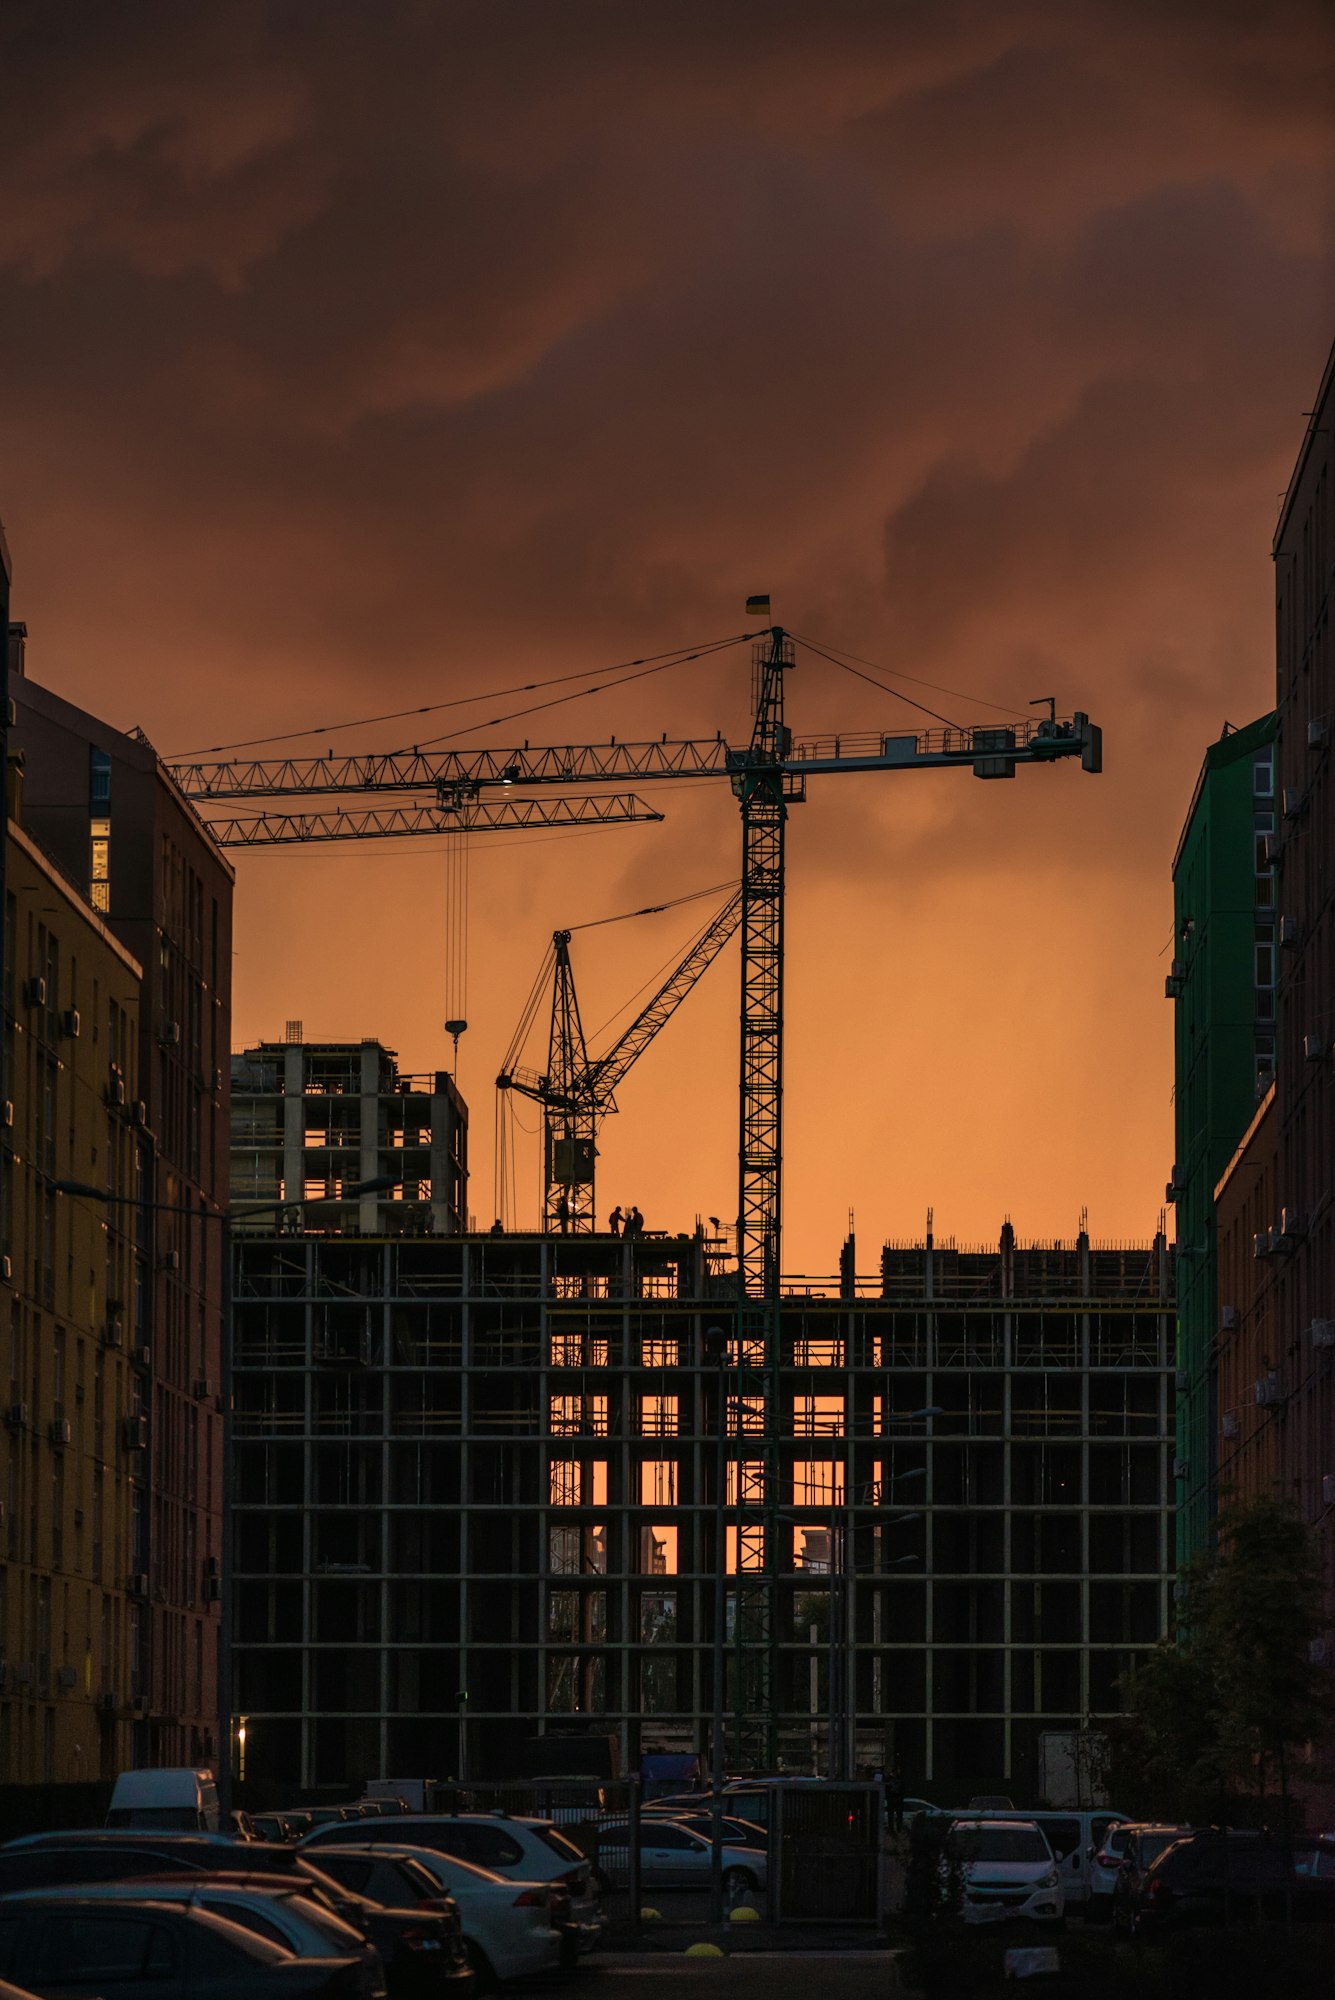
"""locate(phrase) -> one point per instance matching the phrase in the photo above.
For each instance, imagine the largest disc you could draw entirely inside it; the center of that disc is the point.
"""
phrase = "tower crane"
(768, 775)
(577, 1090)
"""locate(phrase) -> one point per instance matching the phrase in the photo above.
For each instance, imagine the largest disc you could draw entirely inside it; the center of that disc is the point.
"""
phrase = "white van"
(173, 1801)
(1075, 1838)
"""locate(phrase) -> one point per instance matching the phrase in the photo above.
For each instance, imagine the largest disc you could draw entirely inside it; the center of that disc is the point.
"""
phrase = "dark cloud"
(360, 357)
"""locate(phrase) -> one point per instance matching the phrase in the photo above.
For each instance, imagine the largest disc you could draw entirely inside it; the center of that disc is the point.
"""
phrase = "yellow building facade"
(73, 1427)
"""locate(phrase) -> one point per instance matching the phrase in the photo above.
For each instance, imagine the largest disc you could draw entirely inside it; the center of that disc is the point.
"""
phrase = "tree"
(1216, 1714)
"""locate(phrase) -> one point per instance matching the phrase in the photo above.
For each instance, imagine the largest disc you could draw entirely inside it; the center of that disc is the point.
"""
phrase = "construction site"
(631, 1489)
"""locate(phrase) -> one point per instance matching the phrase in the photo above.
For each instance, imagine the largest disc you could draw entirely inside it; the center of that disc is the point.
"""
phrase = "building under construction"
(484, 1484)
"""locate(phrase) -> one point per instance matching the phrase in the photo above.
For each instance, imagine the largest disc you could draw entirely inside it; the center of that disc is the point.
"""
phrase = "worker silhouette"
(614, 1220)
(563, 1214)
(635, 1223)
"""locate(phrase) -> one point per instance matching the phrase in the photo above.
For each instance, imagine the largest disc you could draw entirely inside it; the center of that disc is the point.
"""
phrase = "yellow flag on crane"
(758, 607)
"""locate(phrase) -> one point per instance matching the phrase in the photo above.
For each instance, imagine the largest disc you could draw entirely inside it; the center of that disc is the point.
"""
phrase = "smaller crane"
(578, 1090)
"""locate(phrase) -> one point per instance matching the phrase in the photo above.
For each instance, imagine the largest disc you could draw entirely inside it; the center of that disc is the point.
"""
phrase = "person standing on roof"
(614, 1220)
(635, 1223)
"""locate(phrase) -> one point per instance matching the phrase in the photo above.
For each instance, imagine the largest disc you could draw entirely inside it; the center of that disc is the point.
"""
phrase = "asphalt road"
(749, 1975)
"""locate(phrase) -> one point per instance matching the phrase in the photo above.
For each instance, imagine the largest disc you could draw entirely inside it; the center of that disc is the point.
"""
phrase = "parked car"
(1007, 1869)
(527, 1850)
(393, 1895)
(1075, 1838)
(47, 1859)
(672, 1857)
(700, 1819)
(1227, 1876)
(991, 1802)
(284, 1827)
(282, 1915)
(1119, 1866)
(512, 1930)
(180, 1801)
(83, 1943)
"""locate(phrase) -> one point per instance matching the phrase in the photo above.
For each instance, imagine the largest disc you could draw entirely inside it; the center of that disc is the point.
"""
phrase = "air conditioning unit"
(69, 1023)
(1267, 1393)
(1292, 1225)
(16, 1416)
(139, 1112)
(1181, 1467)
(7, 1269)
(1323, 1333)
(205, 1390)
(137, 1585)
(1229, 1317)
(1231, 1426)
(113, 1328)
(67, 1677)
(1272, 849)
(1315, 1048)
(1290, 933)
(1176, 980)
(7, 1115)
(142, 1358)
(1328, 1488)
(116, 1091)
(1182, 1380)
(212, 1566)
(213, 1590)
(1263, 1243)
(34, 992)
(59, 1432)
(171, 1034)
(1292, 801)
(134, 1433)
(1318, 732)
(170, 1260)
(1177, 1185)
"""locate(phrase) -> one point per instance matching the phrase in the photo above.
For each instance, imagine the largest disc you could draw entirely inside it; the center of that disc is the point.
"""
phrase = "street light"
(378, 1184)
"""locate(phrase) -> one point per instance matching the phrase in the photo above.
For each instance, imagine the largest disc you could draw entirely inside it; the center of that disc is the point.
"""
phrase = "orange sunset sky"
(355, 357)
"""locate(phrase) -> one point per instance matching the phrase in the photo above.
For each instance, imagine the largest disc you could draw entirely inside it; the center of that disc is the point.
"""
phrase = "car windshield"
(1152, 1844)
(1000, 1843)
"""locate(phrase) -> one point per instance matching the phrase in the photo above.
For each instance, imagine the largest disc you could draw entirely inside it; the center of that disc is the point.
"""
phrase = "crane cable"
(675, 657)
(1002, 707)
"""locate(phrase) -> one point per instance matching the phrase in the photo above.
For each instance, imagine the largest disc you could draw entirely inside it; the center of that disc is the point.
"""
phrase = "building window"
(99, 829)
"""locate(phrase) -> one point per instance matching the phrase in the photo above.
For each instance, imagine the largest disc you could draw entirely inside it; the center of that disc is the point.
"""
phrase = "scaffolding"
(477, 1483)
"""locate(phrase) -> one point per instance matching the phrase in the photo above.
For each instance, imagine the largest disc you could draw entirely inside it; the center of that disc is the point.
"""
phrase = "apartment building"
(100, 803)
(73, 1485)
(1222, 980)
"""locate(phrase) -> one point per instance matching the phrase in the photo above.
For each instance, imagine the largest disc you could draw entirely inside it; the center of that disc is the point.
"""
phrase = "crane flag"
(758, 607)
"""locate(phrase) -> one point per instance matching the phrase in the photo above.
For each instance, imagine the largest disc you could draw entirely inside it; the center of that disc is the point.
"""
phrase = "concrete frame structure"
(72, 1475)
(1222, 980)
(310, 1117)
(476, 1486)
(103, 806)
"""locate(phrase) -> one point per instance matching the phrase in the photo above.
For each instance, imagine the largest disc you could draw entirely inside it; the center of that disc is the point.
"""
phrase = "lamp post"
(225, 1217)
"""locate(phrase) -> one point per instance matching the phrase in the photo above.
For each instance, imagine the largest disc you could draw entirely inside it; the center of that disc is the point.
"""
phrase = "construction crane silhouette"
(768, 776)
(577, 1091)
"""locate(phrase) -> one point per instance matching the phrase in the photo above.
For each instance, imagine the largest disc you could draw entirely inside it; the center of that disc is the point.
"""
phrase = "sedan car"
(512, 1930)
(527, 1850)
(66, 1947)
(672, 1857)
(736, 1832)
(1229, 1876)
(1118, 1869)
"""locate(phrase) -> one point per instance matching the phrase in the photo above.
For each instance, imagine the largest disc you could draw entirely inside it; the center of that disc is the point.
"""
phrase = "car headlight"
(1049, 1881)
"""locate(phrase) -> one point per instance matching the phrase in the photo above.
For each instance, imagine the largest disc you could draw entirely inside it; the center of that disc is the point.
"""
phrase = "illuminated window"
(658, 1416)
(99, 829)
